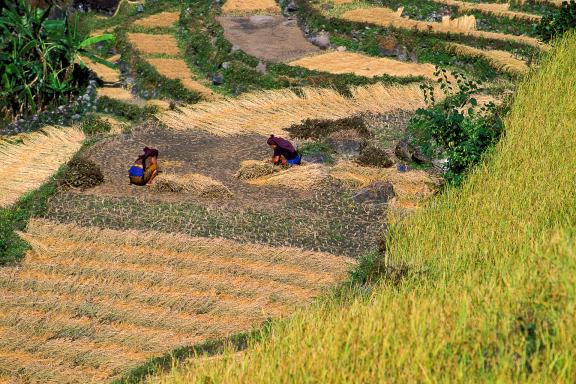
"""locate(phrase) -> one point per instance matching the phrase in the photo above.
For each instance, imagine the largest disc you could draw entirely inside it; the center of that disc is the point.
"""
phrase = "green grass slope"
(492, 293)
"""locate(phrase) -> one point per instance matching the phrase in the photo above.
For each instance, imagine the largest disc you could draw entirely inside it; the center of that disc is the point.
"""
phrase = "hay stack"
(194, 183)
(251, 169)
(297, 177)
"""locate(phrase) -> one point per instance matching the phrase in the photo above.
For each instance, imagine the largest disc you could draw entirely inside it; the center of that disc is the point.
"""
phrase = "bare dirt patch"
(270, 38)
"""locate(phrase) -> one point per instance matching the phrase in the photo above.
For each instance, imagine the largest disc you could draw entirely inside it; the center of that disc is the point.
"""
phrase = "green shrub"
(554, 25)
(94, 125)
(455, 127)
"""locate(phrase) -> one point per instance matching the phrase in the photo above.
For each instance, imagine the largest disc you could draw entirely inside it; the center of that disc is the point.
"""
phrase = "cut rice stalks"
(501, 10)
(148, 44)
(89, 304)
(296, 177)
(159, 20)
(503, 61)
(251, 169)
(30, 159)
(251, 7)
(465, 25)
(363, 65)
(190, 183)
(269, 112)
(104, 73)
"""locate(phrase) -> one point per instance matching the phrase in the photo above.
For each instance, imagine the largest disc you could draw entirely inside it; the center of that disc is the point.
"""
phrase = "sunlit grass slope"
(492, 293)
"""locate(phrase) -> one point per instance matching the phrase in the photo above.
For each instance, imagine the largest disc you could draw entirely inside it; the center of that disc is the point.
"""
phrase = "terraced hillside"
(88, 304)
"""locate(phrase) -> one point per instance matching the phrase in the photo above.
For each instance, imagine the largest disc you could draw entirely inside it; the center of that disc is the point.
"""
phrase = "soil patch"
(270, 38)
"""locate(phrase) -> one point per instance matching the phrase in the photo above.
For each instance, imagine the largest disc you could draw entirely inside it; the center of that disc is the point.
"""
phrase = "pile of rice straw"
(297, 177)
(251, 169)
(194, 183)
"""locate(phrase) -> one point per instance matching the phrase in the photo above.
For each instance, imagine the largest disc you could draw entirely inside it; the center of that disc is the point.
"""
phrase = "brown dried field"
(178, 69)
(105, 73)
(281, 108)
(250, 7)
(148, 44)
(497, 9)
(388, 18)
(30, 159)
(89, 303)
(159, 20)
(363, 65)
(501, 60)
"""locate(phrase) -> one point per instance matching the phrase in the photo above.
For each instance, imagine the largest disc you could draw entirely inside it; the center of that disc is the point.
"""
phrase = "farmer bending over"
(145, 167)
(284, 151)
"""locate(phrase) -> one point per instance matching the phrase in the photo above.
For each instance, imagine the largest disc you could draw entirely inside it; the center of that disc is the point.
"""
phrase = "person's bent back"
(145, 168)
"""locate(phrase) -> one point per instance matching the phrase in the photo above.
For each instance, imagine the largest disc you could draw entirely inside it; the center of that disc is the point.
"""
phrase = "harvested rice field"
(88, 303)
(161, 44)
(159, 20)
(496, 9)
(363, 65)
(178, 70)
(30, 159)
(105, 73)
(501, 60)
(250, 7)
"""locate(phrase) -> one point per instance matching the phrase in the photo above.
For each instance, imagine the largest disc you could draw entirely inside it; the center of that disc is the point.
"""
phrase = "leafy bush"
(38, 58)
(556, 24)
(455, 127)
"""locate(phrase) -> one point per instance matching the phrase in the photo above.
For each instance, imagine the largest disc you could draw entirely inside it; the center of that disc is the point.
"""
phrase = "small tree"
(554, 25)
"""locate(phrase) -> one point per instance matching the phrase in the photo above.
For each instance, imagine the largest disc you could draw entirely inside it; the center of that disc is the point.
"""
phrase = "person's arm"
(275, 159)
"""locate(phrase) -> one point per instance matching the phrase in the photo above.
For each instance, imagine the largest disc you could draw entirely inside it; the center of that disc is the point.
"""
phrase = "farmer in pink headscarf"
(284, 151)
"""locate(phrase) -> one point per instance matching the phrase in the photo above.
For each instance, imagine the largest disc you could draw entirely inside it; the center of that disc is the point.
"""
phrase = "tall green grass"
(493, 288)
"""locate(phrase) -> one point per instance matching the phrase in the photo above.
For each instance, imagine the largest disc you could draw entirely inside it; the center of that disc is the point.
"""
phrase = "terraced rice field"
(386, 17)
(250, 7)
(88, 304)
(497, 9)
(159, 20)
(503, 61)
(178, 70)
(161, 44)
(270, 112)
(30, 159)
(105, 73)
(363, 65)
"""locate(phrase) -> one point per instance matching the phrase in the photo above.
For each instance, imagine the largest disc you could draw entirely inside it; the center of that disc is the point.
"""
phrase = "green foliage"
(556, 24)
(38, 59)
(93, 124)
(127, 111)
(455, 127)
(318, 148)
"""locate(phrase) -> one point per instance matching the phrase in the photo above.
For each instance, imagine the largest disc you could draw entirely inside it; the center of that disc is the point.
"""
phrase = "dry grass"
(250, 7)
(363, 65)
(191, 183)
(503, 61)
(269, 112)
(105, 73)
(159, 20)
(411, 188)
(120, 94)
(28, 162)
(497, 9)
(297, 177)
(88, 304)
(251, 169)
(178, 69)
(154, 44)
(465, 25)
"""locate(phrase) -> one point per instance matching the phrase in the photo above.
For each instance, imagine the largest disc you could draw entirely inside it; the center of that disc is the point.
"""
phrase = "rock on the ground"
(378, 192)
(217, 80)
(341, 48)
(407, 152)
(261, 68)
(292, 6)
(321, 40)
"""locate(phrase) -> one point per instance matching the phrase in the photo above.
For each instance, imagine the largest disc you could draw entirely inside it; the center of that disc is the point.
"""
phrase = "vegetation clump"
(81, 173)
(557, 23)
(321, 128)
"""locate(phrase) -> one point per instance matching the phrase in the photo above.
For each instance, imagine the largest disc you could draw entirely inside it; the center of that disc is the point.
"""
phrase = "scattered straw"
(154, 44)
(103, 72)
(503, 61)
(501, 10)
(190, 183)
(250, 7)
(363, 65)
(297, 177)
(251, 169)
(269, 112)
(29, 160)
(465, 25)
(120, 94)
(159, 20)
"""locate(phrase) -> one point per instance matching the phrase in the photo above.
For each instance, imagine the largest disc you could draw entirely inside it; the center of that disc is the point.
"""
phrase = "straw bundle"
(251, 169)
(363, 65)
(103, 72)
(30, 161)
(502, 10)
(297, 177)
(269, 112)
(159, 20)
(144, 294)
(250, 7)
(503, 61)
(154, 44)
(190, 183)
(388, 18)
(177, 69)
